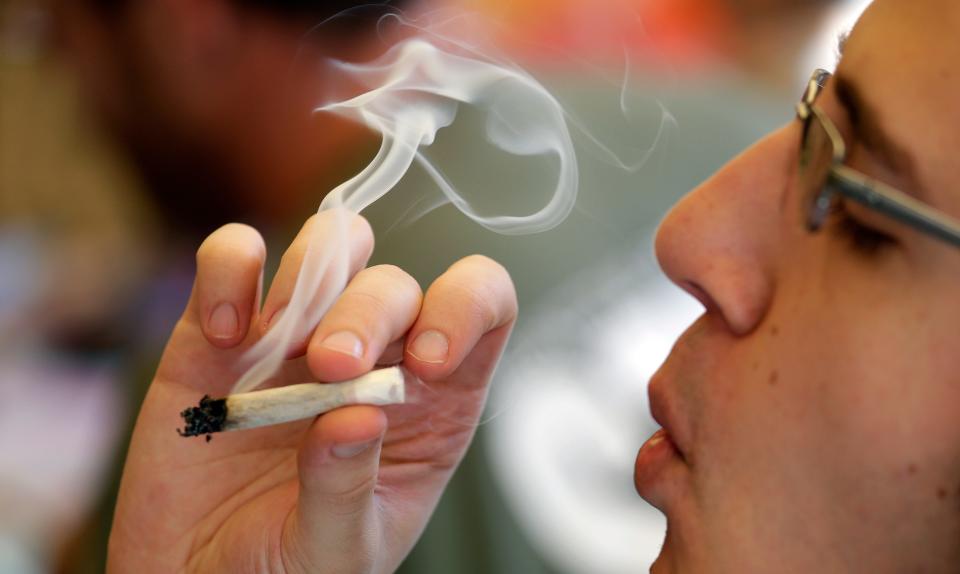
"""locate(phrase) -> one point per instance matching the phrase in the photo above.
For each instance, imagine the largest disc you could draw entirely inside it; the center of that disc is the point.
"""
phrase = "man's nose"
(721, 242)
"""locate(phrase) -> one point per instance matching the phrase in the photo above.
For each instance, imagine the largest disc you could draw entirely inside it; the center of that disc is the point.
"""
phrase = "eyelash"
(863, 238)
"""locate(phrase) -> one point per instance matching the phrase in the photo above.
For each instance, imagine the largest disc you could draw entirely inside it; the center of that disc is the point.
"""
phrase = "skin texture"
(347, 492)
(815, 401)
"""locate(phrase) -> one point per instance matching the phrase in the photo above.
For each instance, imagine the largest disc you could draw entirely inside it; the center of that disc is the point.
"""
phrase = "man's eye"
(863, 238)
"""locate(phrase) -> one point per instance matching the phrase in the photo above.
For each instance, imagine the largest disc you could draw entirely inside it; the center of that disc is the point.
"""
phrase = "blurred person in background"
(214, 101)
(75, 244)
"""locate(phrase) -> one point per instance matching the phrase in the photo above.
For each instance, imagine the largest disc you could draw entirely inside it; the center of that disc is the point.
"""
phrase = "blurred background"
(117, 156)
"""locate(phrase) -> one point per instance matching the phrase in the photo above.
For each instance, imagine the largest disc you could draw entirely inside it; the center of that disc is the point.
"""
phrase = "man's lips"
(666, 415)
(657, 467)
(662, 462)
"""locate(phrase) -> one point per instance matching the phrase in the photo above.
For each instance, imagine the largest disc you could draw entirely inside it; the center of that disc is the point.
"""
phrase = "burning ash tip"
(206, 418)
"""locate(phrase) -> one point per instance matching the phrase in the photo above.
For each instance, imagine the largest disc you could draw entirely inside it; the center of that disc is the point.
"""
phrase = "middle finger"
(359, 240)
(376, 308)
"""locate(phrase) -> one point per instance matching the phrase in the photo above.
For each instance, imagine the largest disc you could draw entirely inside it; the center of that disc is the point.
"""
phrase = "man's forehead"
(898, 43)
(929, 25)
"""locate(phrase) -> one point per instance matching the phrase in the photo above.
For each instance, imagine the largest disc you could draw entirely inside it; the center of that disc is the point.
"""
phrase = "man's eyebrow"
(869, 131)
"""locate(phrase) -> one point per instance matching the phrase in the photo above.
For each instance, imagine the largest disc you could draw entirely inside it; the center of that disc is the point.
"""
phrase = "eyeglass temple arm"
(894, 203)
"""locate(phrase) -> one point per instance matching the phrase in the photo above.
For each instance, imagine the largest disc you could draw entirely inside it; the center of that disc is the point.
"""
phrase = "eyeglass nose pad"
(820, 208)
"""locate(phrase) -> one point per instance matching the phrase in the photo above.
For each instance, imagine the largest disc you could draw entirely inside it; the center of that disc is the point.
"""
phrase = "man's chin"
(665, 563)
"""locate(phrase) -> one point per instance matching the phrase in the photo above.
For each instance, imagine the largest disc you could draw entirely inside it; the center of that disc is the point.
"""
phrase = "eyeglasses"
(824, 176)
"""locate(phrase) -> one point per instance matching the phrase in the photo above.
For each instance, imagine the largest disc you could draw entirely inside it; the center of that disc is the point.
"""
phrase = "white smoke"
(411, 92)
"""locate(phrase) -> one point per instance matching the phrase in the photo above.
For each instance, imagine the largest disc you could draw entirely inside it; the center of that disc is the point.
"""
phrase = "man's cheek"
(734, 421)
(762, 403)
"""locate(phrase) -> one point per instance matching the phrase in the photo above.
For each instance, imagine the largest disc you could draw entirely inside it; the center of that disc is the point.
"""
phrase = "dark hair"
(321, 8)
(348, 13)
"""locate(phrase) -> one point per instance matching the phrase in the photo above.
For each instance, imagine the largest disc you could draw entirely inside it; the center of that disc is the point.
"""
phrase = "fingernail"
(275, 317)
(344, 342)
(430, 347)
(350, 450)
(224, 323)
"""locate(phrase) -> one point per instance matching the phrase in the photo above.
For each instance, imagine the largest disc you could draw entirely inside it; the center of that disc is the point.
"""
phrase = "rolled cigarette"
(294, 402)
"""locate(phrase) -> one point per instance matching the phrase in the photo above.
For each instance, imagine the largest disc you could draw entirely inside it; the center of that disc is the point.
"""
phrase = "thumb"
(335, 524)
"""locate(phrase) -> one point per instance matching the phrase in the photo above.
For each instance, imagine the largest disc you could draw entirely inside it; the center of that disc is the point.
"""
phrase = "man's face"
(816, 403)
(214, 101)
(147, 76)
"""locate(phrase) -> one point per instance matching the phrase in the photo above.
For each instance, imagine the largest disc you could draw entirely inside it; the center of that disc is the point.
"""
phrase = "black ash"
(206, 418)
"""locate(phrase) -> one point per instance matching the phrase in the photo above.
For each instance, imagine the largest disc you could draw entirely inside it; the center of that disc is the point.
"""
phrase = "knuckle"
(350, 500)
(294, 254)
(393, 276)
(354, 222)
(359, 234)
(489, 271)
(489, 285)
(477, 301)
(480, 259)
(359, 226)
(483, 262)
(308, 225)
(365, 306)
(294, 251)
(300, 553)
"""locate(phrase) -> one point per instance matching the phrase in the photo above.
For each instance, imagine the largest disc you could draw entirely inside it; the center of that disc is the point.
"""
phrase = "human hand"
(350, 491)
